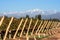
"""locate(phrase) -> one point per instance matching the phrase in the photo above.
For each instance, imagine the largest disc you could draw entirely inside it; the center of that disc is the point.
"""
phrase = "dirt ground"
(56, 36)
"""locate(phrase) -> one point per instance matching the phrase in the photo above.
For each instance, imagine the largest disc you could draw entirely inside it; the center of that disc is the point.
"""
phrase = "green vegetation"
(16, 22)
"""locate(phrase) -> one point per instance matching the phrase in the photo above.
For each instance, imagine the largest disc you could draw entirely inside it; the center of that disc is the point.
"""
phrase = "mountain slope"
(57, 16)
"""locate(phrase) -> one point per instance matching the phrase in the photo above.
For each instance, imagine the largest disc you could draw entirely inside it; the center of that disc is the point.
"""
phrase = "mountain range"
(47, 14)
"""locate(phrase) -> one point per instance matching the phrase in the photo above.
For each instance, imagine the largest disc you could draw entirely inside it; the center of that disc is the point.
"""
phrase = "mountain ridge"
(32, 13)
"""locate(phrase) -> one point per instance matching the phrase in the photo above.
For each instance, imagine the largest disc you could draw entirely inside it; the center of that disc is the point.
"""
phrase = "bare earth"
(56, 36)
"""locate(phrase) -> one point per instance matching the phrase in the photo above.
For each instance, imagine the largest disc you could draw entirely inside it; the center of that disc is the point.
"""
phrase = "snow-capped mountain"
(45, 13)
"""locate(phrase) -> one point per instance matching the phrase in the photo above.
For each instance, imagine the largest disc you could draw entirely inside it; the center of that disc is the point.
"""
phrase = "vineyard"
(27, 28)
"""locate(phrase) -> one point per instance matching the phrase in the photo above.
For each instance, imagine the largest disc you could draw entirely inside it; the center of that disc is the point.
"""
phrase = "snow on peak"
(33, 11)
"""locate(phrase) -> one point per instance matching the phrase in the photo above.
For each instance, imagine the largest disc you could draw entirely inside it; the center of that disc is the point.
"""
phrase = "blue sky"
(19, 5)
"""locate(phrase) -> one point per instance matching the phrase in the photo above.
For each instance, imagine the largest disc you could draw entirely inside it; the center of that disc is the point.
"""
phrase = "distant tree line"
(36, 17)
